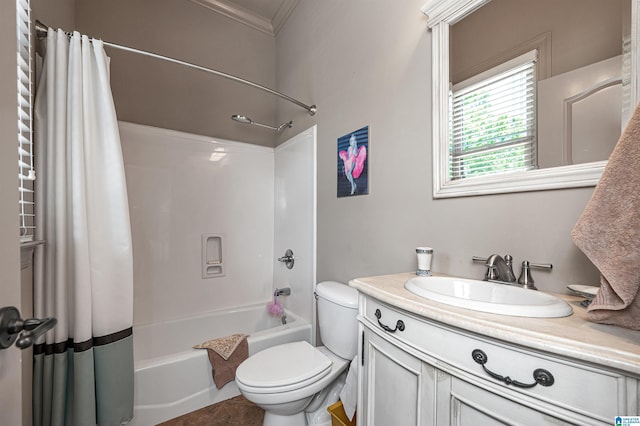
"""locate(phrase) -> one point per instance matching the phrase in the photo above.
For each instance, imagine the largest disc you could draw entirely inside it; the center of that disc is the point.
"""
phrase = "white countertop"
(572, 336)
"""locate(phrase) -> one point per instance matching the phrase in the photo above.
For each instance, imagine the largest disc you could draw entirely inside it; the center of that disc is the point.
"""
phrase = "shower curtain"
(83, 371)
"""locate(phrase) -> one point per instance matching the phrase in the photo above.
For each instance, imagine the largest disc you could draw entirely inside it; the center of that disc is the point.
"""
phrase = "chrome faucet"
(498, 268)
(501, 270)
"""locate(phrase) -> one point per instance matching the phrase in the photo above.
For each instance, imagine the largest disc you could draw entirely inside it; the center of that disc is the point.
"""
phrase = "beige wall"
(365, 63)
(56, 14)
(582, 32)
(157, 93)
(10, 372)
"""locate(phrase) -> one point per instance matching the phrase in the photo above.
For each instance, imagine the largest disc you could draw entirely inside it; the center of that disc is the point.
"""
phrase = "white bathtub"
(172, 378)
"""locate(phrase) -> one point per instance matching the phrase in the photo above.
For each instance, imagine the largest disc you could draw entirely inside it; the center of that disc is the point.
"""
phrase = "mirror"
(565, 157)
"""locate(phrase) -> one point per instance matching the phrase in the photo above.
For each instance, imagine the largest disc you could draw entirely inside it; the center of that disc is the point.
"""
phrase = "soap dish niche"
(213, 255)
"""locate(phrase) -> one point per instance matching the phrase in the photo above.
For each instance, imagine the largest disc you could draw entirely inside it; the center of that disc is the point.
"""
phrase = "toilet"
(291, 379)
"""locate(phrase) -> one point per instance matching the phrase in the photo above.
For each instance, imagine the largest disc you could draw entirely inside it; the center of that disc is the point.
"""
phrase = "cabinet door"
(399, 389)
(473, 406)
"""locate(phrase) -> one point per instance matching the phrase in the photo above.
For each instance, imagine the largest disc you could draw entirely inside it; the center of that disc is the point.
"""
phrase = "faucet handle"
(525, 278)
(492, 270)
(541, 265)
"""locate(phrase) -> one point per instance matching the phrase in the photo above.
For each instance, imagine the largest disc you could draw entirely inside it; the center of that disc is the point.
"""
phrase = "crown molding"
(449, 11)
(250, 18)
(284, 11)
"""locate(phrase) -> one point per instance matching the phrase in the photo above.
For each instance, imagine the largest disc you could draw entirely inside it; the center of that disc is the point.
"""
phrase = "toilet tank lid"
(338, 293)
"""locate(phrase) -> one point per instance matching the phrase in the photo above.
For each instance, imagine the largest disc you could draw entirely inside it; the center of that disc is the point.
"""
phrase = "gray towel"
(608, 232)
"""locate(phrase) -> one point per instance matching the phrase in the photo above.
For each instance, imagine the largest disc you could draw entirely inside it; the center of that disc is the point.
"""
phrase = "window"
(26, 172)
(493, 120)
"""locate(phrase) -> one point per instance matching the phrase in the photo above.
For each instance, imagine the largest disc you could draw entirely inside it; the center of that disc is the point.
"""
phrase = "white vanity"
(427, 363)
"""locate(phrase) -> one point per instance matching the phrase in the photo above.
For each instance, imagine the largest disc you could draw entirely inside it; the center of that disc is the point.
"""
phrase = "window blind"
(493, 120)
(26, 172)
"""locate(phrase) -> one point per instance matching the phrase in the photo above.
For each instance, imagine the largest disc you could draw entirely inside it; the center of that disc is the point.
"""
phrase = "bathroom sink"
(489, 297)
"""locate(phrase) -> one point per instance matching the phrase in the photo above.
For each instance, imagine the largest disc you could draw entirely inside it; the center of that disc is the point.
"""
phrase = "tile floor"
(236, 411)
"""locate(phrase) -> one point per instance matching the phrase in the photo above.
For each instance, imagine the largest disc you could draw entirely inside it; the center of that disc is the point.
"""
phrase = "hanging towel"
(349, 394)
(225, 355)
(608, 232)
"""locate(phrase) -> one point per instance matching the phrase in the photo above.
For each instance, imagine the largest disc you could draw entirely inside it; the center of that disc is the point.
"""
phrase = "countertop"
(573, 336)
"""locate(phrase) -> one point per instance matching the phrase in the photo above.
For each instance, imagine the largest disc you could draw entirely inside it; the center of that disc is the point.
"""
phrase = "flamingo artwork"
(353, 161)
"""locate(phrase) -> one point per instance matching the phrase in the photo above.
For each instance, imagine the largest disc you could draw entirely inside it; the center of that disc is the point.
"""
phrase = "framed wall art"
(352, 163)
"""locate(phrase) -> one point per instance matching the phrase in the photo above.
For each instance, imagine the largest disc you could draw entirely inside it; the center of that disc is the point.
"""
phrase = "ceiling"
(267, 16)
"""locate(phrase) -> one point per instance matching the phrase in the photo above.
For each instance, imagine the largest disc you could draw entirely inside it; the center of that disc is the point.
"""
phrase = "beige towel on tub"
(608, 232)
(225, 355)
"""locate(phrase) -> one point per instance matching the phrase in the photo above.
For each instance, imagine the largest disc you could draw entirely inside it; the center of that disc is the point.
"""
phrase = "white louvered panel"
(504, 142)
(26, 173)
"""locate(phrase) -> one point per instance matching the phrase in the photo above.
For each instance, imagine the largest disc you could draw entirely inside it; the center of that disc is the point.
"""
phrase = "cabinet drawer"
(600, 394)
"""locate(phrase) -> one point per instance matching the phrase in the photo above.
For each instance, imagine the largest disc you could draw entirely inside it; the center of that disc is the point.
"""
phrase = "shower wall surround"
(181, 186)
(295, 220)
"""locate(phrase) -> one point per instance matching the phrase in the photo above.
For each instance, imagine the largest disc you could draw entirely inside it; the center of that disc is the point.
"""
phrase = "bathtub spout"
(282, 291)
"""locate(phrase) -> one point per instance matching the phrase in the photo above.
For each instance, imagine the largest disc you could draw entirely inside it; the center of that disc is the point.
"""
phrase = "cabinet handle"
(399, 324)
(362, 353)
(541, 376)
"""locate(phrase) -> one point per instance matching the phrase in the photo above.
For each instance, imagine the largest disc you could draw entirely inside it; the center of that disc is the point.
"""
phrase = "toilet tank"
(337, 318)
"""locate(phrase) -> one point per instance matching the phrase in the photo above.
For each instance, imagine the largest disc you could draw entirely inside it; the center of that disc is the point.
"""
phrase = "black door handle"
(26, 332)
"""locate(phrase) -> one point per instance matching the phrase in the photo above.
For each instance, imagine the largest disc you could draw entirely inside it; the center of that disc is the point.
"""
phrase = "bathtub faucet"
(282, 291)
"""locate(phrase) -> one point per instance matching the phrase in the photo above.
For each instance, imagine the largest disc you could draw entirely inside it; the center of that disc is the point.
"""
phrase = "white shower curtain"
(83, 372)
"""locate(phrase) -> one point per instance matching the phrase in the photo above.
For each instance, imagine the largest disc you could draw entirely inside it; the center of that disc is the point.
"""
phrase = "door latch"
(23, 332)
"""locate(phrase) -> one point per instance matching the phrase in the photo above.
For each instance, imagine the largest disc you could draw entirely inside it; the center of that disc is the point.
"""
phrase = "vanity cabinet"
(397, 384)
(417, 371)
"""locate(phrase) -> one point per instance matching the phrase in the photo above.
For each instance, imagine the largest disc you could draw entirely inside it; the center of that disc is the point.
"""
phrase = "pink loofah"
(275, 308)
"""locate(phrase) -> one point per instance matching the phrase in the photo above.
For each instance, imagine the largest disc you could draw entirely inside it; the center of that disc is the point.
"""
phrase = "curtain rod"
(41, 30)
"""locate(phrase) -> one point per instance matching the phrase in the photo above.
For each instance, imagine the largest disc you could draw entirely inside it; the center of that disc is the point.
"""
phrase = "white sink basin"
(489, 297)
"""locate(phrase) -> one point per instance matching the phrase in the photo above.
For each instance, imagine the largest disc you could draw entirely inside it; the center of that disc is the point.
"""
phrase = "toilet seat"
(283, 368)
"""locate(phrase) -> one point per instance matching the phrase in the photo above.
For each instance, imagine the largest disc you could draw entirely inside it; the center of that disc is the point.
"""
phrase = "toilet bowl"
(288, 394)
(284, 379)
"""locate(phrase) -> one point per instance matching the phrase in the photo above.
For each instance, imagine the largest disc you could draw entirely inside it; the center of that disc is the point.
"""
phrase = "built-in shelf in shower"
(212, 255)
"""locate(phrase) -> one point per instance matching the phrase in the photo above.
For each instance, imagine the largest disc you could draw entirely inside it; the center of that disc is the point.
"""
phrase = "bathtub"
(172, 378)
